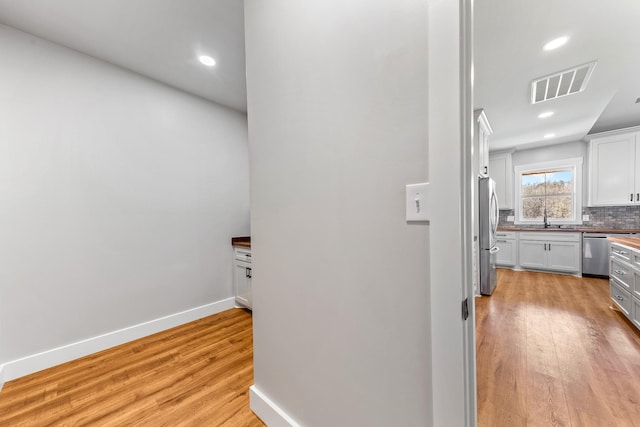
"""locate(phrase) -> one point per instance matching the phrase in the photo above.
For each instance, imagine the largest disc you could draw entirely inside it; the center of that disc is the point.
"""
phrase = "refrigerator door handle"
(495, 215)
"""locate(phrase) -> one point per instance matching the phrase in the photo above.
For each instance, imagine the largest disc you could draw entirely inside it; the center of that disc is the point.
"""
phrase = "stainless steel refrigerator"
(488, 216)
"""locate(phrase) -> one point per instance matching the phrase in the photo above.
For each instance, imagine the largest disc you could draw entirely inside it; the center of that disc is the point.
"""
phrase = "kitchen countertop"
(243, 242)
(633, 242)
(574, 230)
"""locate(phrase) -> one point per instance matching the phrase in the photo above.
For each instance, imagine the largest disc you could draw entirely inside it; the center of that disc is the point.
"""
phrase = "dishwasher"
(595, 253)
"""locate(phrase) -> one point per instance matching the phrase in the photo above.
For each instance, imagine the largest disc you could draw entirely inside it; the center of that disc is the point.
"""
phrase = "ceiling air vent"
(561, 84)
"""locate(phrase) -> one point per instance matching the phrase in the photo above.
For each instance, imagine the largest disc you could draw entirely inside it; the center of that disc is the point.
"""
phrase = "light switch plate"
(417, 202)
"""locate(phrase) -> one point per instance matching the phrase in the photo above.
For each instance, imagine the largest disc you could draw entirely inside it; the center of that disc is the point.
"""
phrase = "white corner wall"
(119, 197)
(337, 98)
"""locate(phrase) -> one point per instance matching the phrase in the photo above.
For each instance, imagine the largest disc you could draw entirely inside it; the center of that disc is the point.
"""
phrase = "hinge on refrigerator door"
(465, 309)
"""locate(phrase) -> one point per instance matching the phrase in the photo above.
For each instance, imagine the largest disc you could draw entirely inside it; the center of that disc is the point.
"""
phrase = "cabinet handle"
(620, 272)
(486, 170)
(247, 272)
(620, 252)
(637, 197)
(501, 241)
(545, 246)
(619, 298)
(632, 197)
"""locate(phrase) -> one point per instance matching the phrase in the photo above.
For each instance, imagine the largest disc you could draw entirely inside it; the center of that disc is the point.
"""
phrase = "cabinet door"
(636, 284)
(563, 256)
(636, 171)
(484, 151)
(613, 162)
(533, 254)
(501, 172)
(507, 254)
(635, 312)
(483, 130)
(242, 283)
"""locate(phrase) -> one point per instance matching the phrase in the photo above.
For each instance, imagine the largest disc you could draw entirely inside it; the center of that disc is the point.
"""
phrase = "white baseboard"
(46, 359)
(270, 413)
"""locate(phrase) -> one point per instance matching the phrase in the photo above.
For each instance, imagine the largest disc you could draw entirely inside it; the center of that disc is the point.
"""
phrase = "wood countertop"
(632, 242)
(572, 230)
(243, 242)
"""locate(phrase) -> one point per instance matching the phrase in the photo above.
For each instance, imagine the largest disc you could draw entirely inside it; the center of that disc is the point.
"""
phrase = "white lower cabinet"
(624, 281)
(533, 254)
(635, 312)
(507, 256)
(550, 251)
(620, 296)
(242, 276)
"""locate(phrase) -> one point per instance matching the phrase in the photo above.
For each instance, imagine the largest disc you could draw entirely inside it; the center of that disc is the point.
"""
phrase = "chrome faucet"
(546, 223)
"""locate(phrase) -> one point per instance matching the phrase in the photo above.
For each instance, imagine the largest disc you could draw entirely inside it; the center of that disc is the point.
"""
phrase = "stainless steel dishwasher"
(595, 253)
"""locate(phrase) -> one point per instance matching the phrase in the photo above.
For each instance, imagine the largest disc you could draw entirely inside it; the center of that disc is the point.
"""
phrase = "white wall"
(557, 152)
(119, 197)
(338, 124)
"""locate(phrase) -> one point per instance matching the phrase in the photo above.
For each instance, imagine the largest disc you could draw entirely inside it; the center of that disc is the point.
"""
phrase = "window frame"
(575, 164)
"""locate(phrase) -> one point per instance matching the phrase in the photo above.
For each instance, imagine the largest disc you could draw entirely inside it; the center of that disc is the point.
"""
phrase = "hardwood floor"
(552, 352)
(197, 374)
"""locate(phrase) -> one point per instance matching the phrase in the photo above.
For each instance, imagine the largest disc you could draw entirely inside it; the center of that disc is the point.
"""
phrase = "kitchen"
(308, 211)
(557, 120)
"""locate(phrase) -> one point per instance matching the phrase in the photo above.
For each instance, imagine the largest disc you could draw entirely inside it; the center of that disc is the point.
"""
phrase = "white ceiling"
(509, 36)
(161, 39)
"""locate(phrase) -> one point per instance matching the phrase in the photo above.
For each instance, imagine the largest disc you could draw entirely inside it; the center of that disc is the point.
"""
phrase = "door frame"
(469, 186)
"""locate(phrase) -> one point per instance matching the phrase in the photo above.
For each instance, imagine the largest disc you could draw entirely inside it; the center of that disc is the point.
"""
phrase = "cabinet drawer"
(620, 252)
(242, 254)
(506, 235)
(621, 271)
(620, 297)
(635, 312)
(563, 236)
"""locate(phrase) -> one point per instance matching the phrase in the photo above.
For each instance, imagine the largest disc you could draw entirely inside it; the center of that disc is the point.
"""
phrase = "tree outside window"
(550, 191)
(553, 187)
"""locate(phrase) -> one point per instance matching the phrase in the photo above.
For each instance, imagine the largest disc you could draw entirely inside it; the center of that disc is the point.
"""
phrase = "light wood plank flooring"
(197, 374)
(552, 352)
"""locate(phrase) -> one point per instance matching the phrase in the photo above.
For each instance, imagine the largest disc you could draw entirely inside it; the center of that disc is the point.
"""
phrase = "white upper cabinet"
(482, 131)
(613, 162)
(501, 169)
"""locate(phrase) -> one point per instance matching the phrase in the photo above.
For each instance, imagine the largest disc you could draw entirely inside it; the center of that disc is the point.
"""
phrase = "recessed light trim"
(207, 60)
(545, 114)
(549, 135)
(556, 43)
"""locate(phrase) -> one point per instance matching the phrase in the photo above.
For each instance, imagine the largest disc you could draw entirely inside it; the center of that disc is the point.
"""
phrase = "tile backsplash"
(623, 217)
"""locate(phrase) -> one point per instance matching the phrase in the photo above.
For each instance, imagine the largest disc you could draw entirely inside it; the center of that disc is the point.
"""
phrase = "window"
(551, 189)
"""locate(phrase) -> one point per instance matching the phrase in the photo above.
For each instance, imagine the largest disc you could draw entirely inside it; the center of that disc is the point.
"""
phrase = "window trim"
(574, 163)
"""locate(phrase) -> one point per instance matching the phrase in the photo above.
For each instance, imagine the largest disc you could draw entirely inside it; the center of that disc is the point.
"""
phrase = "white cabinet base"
(242, 277)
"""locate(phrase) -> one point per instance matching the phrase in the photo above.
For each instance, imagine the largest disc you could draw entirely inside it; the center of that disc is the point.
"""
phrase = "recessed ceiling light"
(207, 60)
(545, 114)
(549, 135)
(556, 43)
